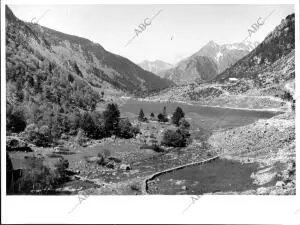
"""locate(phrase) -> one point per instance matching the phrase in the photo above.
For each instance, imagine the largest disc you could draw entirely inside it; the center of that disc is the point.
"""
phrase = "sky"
(176, 32)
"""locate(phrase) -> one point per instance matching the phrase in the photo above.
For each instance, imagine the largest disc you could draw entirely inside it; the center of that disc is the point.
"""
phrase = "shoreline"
(278, 110)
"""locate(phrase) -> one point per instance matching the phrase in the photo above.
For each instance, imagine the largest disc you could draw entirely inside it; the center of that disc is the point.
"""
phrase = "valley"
(81, 120)
(206, 123)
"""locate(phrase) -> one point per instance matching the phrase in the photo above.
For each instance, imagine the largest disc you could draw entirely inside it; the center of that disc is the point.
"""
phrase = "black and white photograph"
(147, 101)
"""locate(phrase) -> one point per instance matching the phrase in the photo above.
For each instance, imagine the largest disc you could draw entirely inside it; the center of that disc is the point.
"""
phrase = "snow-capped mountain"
(225, 55)
(217, 58)
(156, 67)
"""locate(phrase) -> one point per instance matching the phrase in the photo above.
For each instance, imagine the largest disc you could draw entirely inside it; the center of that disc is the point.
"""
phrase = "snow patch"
(219, 54)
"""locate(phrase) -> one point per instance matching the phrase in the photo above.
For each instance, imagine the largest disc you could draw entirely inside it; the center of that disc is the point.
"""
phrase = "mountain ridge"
(95, 64)
(278, 43)
(222, 56)
(157, 66)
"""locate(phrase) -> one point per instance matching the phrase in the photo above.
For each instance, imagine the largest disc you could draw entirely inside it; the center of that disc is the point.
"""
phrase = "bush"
(157, 148)
(15, 119)
(184, 124)
(44, 135)
(105, 153)
(152, 116)
(88, 125)
(178, 138)
(135, 130)
(177, 115)
(126, 130)
(39, 137)
(61, 167)
(293, 105)
(81, 137)
(74, 121)
(31, 127)
(287, 96)
(162, 118)
(101, 161)
(93, 125)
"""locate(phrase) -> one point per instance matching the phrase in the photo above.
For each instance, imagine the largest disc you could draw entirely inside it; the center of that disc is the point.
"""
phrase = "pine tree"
(142, 116)
(165, 112)
(111, 118)
(152, 115)
(177, 115)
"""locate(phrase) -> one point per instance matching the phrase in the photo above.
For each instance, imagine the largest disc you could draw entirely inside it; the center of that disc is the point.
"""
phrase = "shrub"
(126, 130)
(135, 130)
(293, 105)
(87, 124)
(61, 167)
(15, 119)
(74, 121)
(287, 96)
(81, 137)
(93, 125)
(152, 116)
(39, 137)
(177, 115)
(31, 133)
(135, 187)
(105, 153)
(184, 124)
(162, 118)
(178, 138)
(101, 161)
(157, 148)
(31, 127)
(44, 136)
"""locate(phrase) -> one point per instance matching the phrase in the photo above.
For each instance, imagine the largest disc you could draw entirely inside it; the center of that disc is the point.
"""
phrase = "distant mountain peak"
(206, 63)
(157, 67)
(212, 43)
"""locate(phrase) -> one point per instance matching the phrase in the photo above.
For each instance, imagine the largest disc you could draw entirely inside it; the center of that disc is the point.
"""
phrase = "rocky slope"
(278, 44)
(209, 61)
(271, 143)
(225, 55)
(81, 57)
(157, 67)
(196, 69)
(262, 77)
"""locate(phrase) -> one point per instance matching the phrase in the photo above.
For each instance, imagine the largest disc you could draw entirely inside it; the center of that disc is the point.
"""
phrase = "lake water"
(219, 175)
(200, 116)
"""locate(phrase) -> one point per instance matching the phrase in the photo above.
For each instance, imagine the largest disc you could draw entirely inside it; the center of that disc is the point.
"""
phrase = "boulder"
(184, 188)
(179, 182)
(290, 185)
(125, 167)
(279, 184)
(262, 191)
